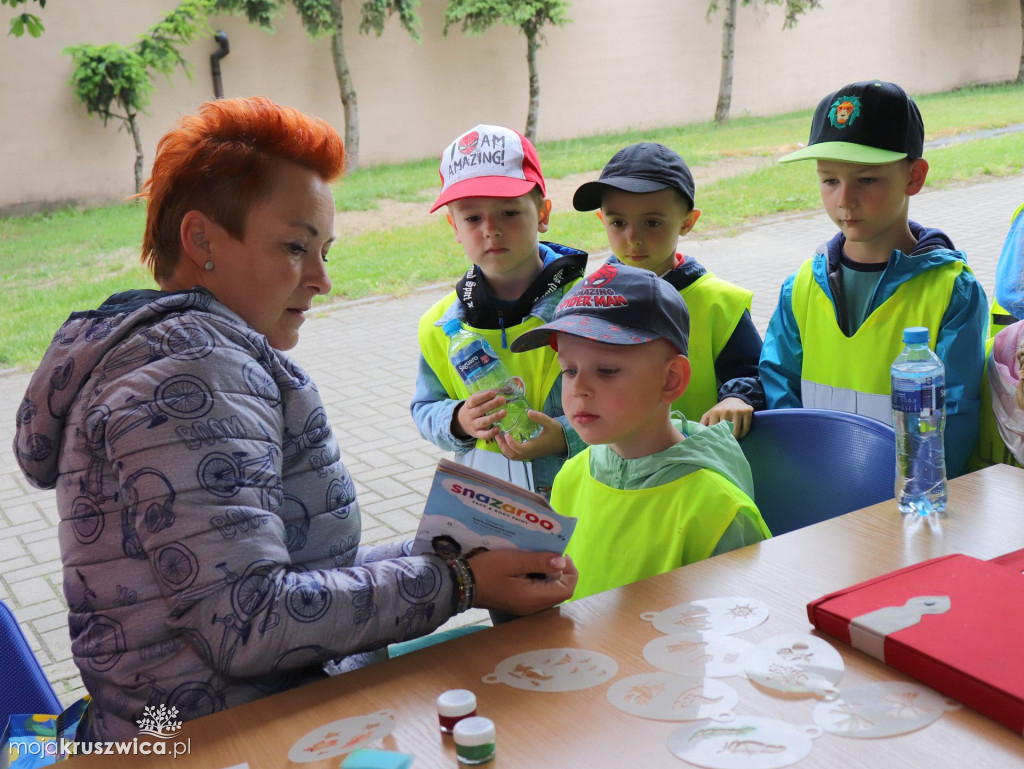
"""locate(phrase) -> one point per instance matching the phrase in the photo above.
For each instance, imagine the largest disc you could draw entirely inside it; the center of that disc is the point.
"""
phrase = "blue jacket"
(432, 407)
(960, 343)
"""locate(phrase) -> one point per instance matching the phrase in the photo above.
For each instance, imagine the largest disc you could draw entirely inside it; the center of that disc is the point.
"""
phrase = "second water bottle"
(919, 418)
(481, 369)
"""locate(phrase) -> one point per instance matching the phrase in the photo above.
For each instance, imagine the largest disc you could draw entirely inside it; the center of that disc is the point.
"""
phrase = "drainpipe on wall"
(215, 57)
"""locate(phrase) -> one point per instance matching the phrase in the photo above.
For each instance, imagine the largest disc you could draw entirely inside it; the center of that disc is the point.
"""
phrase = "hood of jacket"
(934, 249)
(705, 448)
(79, 346)
(680, 276)
(561, 265)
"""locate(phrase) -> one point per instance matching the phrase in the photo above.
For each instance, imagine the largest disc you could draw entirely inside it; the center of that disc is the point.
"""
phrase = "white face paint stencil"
(746, 743)
(721, 616)
(881, 709)
(342, 736)
(698, 655)
(554, 670)
(669, 697)
(796, 663)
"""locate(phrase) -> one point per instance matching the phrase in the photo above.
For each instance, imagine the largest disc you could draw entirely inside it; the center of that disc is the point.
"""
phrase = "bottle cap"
(452, 326)
(474, 731)
(456, 702)
(915, 335)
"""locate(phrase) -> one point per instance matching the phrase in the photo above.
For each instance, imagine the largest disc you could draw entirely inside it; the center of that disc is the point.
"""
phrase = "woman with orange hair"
(208, 528)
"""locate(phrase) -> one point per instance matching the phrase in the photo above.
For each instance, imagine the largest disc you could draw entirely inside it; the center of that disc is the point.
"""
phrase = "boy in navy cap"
(651, 492)
(839, 322)
(646, 199)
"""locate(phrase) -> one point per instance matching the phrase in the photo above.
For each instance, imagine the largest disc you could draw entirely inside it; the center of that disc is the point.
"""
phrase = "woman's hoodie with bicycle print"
(208, 529)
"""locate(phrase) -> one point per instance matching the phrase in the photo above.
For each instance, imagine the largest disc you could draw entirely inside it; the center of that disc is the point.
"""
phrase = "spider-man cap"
(870, 122)
(488, 161)
(617, 304)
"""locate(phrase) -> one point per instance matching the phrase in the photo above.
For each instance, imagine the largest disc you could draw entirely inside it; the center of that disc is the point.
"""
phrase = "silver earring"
(208, 265)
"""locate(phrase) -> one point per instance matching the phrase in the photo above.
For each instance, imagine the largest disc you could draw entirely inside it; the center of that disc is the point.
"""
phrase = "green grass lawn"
(54, 263)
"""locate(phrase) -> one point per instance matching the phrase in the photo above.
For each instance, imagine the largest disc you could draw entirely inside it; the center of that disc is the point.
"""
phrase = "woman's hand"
(520, 581)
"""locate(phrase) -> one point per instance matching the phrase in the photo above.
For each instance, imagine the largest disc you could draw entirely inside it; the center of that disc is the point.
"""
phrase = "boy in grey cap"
(651, 493)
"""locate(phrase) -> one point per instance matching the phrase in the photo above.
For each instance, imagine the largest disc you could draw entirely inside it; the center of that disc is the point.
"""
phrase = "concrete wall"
(618, 65)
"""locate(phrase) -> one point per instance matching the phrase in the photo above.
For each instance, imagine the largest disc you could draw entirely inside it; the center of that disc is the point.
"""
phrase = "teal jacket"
(960, 343)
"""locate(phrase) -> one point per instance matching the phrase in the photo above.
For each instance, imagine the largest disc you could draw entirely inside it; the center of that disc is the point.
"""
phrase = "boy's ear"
(195, 232)
(677, 378)
(451, 221)
(918, 173)
(544, 215)
(691, 219)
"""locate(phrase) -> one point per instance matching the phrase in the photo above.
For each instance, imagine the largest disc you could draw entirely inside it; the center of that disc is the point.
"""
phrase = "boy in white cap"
(839, 322)
(652, 492)
(494, 190)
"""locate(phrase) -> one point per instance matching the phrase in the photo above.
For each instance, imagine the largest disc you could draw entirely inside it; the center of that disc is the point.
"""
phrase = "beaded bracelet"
(466, 583)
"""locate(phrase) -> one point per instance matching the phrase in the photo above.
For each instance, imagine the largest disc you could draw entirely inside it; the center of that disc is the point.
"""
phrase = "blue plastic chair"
(810, 465)
(24, 687)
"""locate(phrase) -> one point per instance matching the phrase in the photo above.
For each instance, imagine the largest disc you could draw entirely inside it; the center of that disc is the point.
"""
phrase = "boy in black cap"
(839, 321)
(646, 199)
(650, 493)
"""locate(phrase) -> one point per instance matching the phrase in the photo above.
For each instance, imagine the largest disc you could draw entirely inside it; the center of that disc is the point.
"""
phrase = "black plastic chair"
(24, 687)
(810, 465)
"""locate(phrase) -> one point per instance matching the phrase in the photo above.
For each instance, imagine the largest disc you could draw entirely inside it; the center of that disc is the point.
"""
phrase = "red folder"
(954, 623)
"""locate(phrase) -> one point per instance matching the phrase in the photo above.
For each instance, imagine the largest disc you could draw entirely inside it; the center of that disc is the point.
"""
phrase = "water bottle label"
(473, 360)
(918, 397)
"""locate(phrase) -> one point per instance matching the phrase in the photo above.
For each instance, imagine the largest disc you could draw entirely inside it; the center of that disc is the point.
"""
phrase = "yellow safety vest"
(852, 373)
(716, 307)
(538, 368)
(623, 536)
(991, 449)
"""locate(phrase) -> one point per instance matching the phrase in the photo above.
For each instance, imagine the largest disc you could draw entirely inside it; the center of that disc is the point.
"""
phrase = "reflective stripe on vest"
(624, 536)
(998, 319)
(716, 307)
(852, 373)
(538, 368)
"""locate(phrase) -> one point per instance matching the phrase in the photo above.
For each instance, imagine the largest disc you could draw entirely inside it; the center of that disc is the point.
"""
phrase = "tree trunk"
(728, 49)
(531, 61)
(348, 91)
(1020, 70)
(133, 126)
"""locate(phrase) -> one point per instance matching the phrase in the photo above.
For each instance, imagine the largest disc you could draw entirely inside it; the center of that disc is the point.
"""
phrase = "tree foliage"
(25, 22)
(115, 81)
(259, 12)
(326, 17)
(477, 16)
(530, 16)
(794, 9)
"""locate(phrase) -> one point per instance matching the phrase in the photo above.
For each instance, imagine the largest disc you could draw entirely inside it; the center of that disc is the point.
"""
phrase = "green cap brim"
(845, 152)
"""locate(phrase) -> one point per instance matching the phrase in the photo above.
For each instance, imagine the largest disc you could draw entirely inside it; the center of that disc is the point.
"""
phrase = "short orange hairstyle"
(218, 161)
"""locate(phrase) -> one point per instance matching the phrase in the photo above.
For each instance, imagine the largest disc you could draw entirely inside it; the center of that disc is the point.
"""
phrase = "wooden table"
(582, 729)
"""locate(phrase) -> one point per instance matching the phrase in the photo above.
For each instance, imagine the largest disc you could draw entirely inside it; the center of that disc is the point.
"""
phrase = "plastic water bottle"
(919, 418)
(482, 369)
